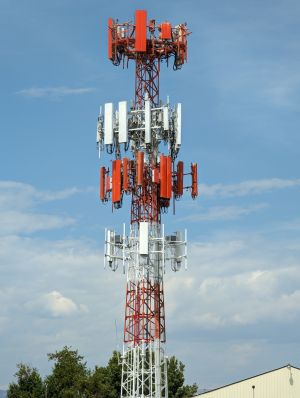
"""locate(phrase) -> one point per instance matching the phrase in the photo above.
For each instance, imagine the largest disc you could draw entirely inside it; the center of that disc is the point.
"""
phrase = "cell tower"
(148, 132)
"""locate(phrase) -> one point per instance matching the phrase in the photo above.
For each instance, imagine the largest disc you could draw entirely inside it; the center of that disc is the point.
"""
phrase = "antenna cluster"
(152, 136)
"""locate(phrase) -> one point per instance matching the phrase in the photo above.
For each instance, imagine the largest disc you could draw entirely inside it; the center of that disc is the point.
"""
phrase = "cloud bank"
(53, 92)
(56, 292)
(249, 187)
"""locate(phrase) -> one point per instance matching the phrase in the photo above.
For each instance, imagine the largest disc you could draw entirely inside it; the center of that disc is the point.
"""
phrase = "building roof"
(249, 378)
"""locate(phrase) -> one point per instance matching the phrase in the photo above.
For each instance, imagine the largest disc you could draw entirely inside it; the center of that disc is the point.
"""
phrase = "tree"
(176, 387)
(69, 378)
(98, 384)
(29, 383)
(105, 382)
(114, 369)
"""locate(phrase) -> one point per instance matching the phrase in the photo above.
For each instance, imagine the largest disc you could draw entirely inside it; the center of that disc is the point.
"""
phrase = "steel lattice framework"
(153, 180)
(146, 81)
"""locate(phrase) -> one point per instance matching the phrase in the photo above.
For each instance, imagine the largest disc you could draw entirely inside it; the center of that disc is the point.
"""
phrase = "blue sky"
(238, 313)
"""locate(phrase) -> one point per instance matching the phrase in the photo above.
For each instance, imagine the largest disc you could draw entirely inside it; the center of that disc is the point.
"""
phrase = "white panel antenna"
(108, 124)
(178, 126)
(147, 122)
(123, 122)
(99, 126)
(179, 247)
(166, 117)
(144, 237)
(109, 249)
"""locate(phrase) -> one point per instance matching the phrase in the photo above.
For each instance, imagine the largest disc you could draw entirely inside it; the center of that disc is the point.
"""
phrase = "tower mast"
(149, 174)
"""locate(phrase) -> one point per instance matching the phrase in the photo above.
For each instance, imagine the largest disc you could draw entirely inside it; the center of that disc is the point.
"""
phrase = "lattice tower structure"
(136, 137)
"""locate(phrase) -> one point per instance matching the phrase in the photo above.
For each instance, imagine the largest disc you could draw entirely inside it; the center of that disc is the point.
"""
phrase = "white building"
(278, 383)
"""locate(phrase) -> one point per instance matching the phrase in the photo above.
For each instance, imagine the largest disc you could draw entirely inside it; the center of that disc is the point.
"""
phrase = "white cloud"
(281, 87)
(244, 352)
(58, 305)
(19, 195)
(16, 222)
(293, 225)
(249, 187)
(53, 92)
(222, 213)
(208, 320)
(236, 283)
(56, 291)
(18, 202)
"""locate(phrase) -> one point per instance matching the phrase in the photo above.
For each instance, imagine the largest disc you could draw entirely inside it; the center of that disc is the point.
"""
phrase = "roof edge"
(247, 378)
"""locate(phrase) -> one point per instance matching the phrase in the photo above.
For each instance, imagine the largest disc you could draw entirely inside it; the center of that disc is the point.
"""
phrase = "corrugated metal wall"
(281, 383)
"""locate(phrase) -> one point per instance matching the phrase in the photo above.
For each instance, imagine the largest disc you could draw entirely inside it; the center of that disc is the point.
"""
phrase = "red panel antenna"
(125, 175)
(194, 180)
(116, 181)
(169, 177)
(163, 177)
(110, 38)
(166, 31)
(102, 184)
(178, 182)
(140, 31)
(108, 184)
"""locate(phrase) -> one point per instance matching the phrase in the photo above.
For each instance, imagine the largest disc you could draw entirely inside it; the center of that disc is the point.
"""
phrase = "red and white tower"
(144, 140)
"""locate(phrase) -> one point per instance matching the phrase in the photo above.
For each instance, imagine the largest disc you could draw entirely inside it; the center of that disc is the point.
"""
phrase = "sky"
(238, 311)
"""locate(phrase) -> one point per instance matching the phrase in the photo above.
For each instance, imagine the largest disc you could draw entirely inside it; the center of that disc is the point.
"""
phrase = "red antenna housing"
(148, 44)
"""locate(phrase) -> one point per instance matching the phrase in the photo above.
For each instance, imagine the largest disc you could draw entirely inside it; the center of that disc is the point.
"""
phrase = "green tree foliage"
(69, 377)
(105, 382)
(29, 383)
(176, 386)
(114, 369)
(98, 384)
